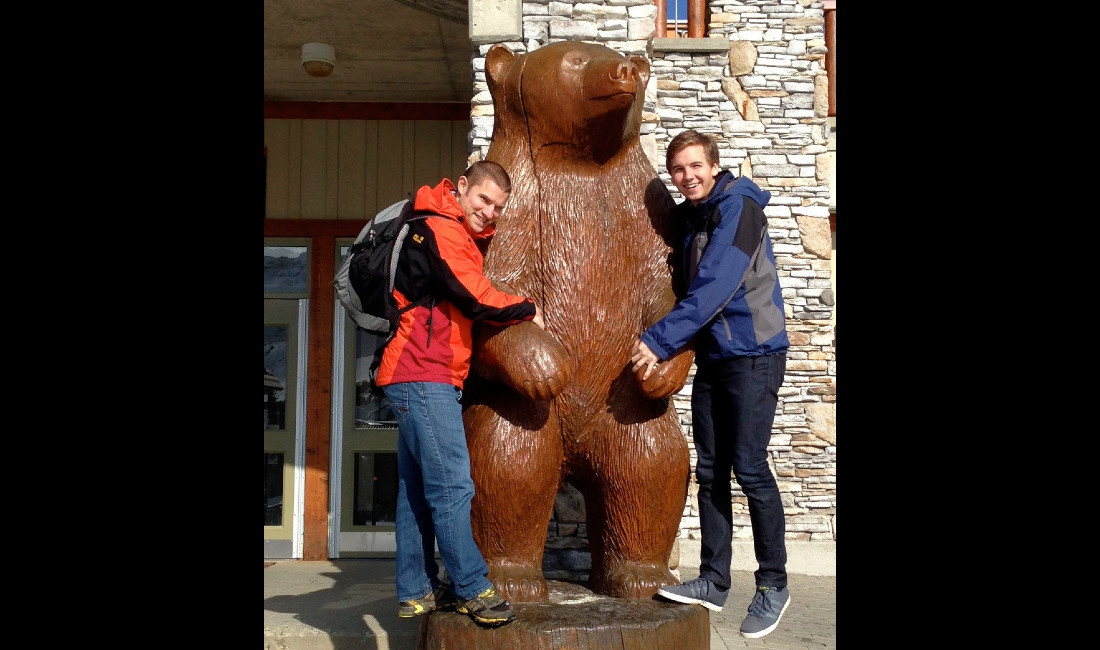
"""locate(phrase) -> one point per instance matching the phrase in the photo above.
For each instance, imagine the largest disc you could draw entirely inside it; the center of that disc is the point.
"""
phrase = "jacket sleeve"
(457, 275)
(736, 242)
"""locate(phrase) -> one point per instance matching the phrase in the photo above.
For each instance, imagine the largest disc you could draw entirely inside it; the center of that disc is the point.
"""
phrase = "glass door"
(364, 447)
(286, 286)
(281, 455)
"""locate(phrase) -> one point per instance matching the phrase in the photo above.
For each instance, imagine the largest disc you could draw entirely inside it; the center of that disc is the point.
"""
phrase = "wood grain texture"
(575, 619)
(587, 235)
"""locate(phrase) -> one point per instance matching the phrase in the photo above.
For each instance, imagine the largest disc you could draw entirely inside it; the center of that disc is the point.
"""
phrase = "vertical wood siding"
(351, 169)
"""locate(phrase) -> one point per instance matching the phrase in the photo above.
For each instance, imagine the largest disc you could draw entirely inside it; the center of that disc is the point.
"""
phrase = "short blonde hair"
(685, 139)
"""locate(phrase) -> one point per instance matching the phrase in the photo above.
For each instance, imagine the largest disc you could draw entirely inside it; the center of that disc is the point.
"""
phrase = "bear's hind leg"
(632, 580)
(639, 497)
(516, 472)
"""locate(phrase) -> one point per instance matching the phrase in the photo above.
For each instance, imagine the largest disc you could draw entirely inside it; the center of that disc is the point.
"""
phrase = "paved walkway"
(344, 604)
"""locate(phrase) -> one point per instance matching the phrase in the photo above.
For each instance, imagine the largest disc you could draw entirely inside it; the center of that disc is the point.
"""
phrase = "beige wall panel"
(352, 174)
(452, 160)
(314, 167)
(433, 153)
(388, 163)
(332, 170)
(351, 169)
(372, 203)
(294, 171)
(277, 141)
(460, 132)
(425, 154)
(408, 162)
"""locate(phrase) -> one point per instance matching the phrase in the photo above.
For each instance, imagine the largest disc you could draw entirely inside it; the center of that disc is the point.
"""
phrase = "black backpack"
(364, 282)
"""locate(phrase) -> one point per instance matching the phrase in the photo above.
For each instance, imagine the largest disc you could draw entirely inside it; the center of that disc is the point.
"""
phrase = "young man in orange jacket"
(423, 370)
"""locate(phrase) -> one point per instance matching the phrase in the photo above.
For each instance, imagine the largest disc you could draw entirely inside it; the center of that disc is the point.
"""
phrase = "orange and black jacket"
(440, 258)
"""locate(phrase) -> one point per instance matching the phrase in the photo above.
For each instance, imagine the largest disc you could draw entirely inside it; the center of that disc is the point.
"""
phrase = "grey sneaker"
(765, 610)
(488, 608)
(699, 591)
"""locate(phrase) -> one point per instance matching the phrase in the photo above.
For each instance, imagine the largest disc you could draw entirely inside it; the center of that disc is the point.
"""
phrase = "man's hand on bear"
(643, 357)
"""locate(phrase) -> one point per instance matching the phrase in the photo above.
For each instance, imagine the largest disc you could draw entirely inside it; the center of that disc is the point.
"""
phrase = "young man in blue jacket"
(734, 311)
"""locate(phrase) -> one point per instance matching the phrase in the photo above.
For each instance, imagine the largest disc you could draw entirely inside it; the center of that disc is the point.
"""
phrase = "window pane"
(375, 500)
(677, 10)
(371, 409)
(273, 489)
(275, 341)
(285, 269)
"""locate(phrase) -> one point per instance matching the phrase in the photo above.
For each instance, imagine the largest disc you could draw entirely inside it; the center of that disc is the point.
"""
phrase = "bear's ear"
(498, 60)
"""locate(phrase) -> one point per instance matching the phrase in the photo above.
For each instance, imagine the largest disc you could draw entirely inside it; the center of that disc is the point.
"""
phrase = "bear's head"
(583, 98)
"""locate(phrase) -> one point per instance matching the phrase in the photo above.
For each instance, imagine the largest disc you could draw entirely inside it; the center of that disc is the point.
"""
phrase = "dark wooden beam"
(312, 227)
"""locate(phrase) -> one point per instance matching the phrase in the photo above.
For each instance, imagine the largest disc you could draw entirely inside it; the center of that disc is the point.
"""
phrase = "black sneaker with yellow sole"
(488, 608)
(441, 598)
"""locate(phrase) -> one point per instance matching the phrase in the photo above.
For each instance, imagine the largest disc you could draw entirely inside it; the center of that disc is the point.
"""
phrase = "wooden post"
(697, 18)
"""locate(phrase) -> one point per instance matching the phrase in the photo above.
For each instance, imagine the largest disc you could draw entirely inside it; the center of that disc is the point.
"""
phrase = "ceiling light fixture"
(318, 59)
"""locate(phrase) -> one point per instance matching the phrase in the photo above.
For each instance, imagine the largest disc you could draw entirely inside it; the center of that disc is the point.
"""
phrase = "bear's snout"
(627, 71)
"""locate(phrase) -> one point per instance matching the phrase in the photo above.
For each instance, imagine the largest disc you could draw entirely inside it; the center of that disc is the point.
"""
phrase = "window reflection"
(286, 269)
(371, 409)
(275, 349)
(375, 488)
(273, 489)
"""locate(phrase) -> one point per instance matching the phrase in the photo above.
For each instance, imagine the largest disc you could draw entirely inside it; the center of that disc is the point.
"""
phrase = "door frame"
(361, 541)
(298, 350)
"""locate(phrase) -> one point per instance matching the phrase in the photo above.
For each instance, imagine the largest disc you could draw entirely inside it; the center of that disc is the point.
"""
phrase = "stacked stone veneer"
(765, 99)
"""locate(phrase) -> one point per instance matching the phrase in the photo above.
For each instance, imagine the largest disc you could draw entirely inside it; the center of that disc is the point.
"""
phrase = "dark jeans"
(732, 409)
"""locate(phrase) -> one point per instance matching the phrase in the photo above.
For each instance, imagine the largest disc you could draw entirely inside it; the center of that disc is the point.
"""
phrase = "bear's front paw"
(632, 580)
(545, 387)
(525, 358)
(520, 585)
(668, 377)
(664, 382)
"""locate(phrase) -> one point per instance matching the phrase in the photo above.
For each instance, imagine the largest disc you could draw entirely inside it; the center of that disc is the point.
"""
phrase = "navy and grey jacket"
(734, 303)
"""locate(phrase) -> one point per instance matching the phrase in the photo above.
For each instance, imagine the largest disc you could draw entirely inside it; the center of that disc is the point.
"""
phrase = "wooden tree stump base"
(575, 619)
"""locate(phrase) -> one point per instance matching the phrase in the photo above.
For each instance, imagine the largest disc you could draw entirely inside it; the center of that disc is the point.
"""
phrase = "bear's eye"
(578, 61)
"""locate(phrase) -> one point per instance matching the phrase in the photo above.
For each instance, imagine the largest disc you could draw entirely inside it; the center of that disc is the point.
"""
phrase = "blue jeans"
(434, 492)
(732, 409)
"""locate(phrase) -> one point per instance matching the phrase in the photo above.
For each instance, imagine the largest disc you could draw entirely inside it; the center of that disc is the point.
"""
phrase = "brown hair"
(685, 139)
(484, 170)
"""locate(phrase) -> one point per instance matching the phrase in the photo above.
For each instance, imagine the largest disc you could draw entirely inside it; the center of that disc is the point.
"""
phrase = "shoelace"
(761, 602)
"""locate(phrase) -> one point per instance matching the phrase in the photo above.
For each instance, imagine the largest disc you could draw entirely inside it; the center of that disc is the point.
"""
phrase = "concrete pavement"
(344, 604)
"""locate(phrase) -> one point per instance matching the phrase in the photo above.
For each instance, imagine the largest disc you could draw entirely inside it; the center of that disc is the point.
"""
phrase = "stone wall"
(763, 93)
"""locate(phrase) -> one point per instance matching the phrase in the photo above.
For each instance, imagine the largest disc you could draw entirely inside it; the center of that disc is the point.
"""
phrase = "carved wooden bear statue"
(587, 233)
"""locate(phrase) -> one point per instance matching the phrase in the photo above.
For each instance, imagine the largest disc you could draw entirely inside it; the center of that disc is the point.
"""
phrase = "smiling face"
(692, 174)
(483, 203)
